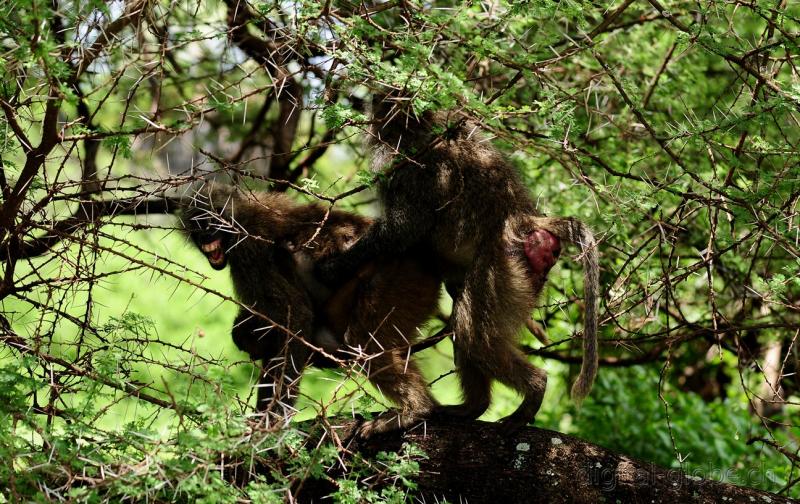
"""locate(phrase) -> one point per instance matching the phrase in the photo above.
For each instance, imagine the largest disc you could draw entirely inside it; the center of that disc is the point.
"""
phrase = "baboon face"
(213, 236)
(211, 244)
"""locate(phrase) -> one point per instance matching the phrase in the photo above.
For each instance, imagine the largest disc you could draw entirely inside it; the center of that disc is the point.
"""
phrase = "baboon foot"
(461, 411)
(514, 422)
(387, 422)
(524, 415)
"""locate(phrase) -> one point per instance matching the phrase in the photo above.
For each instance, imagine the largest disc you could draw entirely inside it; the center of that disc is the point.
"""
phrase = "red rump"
(542, 249)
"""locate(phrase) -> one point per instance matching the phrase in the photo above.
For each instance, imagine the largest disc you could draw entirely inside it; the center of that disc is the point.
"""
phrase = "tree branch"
(479, 462)
(19, 344)
(89, 212)
(133, 10)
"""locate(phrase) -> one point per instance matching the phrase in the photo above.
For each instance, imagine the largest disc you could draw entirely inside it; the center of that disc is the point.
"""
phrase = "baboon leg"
(526, 378)
(488, 314)
(390, 306)
(503, 361)
(476, 387)
(280, 377)
(401, 382)
(279, 380)
(282, 357)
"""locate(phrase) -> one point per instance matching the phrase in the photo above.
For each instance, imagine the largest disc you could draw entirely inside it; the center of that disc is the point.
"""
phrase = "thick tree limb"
(34, 159)
(479, 462)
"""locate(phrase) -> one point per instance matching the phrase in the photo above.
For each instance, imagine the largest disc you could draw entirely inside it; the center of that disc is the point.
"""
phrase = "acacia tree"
(671, 128)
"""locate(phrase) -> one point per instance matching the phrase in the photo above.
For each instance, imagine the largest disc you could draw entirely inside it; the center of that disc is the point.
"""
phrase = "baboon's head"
(212, 242)
(204, 219)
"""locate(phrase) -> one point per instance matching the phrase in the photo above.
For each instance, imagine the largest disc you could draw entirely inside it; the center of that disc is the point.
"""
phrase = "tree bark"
(480, 462)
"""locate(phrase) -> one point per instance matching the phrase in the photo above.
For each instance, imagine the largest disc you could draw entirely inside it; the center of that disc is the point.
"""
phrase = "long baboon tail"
(574, 231)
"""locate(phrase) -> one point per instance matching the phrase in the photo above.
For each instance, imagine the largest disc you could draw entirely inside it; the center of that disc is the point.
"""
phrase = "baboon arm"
(383, 238)
(333, 270)
(409, 219)
(279, 380)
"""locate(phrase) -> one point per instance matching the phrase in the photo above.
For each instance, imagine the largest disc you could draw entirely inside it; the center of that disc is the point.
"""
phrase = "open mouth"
(214, 253)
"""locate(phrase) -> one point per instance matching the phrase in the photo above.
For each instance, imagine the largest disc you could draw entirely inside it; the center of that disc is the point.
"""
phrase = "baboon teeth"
(210, 247)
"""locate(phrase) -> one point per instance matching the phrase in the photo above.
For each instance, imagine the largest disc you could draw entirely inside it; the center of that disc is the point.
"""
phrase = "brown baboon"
(448, 190)
(271, 243)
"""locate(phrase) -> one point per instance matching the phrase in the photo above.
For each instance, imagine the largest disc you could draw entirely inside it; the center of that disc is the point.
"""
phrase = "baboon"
(445, 188)
(269, 243)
